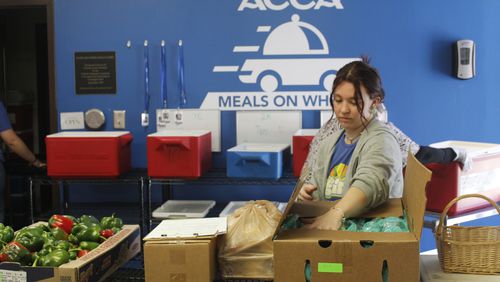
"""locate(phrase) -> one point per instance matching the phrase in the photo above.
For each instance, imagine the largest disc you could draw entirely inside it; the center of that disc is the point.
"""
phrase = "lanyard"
(163, 73)
(146, 77)
(180, 69)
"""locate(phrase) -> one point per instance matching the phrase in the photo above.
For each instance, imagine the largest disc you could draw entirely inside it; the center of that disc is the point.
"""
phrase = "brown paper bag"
(246, 251)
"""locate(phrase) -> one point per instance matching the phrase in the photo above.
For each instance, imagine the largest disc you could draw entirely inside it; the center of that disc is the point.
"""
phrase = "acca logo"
(264, 5)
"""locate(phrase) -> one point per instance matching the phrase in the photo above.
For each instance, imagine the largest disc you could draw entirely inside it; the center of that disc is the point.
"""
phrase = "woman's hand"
(332, 220)
(306, 192)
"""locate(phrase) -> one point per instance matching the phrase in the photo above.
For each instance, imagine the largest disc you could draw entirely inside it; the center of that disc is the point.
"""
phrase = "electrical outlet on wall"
(119, 119)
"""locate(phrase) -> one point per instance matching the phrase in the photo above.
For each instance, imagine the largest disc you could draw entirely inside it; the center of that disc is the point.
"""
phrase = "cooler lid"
(259, 147)
(179, 132)
(183, 208)
(306, 132)
(87, 134)
(473, 149)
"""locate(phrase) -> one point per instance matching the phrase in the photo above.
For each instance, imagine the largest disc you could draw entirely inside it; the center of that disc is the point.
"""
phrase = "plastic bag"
(246, 251)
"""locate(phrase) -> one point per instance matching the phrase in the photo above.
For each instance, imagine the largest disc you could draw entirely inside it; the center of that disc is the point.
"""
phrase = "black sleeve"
(428, 155)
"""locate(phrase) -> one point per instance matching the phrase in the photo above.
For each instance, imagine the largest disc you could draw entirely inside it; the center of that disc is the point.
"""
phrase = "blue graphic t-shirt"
(338, 168)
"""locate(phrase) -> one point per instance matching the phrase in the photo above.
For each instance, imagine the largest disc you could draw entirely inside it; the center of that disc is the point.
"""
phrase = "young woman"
(424, 154)
(360, 164)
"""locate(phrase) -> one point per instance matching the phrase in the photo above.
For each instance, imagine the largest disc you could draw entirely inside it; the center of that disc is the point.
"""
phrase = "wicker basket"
(468, 249)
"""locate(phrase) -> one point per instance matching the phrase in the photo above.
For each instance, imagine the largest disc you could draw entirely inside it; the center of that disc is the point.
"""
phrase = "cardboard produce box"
(95, 266)
(182, 250)
(355, 256)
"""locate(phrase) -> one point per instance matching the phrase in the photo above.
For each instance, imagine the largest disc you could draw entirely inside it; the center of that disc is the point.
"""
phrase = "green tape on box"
(331, 267)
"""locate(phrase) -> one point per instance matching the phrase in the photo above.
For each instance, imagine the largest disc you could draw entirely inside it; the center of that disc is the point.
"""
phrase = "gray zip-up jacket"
(375, 166)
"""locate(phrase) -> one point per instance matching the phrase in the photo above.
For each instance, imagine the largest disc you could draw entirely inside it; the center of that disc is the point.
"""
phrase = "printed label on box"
(13, 276)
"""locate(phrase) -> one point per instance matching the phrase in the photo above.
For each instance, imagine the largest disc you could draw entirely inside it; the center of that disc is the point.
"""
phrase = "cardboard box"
(180, 260)
(88, 154)
(449, 181)
(355, 256)
(182, 250)
(179, 153)
(95, 266)
(300, 144)
(256, 160)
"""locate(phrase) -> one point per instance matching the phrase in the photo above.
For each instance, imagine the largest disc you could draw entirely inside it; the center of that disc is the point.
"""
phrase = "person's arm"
(17, 146)
(377, 173)
(350, 205)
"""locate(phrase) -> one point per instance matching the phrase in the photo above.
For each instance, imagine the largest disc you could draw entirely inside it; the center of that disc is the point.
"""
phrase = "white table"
(430, 271)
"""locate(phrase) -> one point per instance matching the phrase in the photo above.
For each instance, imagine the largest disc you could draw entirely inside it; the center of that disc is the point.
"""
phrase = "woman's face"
(346, 110)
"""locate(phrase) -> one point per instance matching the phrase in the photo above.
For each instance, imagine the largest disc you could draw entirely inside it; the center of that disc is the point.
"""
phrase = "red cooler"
(448, 181)
(88, 153)
(179, 153)
(300, 143)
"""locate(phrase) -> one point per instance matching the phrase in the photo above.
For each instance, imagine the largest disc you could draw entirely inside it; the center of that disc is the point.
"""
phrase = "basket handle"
(439, 229)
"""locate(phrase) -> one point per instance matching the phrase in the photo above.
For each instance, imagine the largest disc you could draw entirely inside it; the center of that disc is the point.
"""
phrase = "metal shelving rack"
(213, 177)
(134, 177)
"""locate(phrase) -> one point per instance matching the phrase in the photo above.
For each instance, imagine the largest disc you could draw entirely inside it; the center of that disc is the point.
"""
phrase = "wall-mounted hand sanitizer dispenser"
(465, 59)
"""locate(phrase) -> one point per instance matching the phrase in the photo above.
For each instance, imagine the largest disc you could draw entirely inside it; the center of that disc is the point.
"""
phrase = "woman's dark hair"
(359, 73)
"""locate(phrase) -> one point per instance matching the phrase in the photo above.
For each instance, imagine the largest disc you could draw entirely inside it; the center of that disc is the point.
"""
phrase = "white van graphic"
(281, 70)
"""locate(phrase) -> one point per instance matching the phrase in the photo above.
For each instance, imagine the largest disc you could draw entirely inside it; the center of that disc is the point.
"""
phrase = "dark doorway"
(26, 90)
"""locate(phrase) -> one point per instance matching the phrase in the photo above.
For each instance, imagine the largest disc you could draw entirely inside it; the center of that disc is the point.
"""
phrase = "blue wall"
(408, 41)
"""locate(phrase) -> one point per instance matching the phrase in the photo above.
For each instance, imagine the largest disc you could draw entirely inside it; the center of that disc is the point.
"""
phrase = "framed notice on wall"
(95, 73)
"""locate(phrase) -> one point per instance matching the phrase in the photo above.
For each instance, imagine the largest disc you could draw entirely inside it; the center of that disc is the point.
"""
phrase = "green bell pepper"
(115, 230)
(109, 222)
(30, 237)
(73, 240)
(85, 245)
(62, 245)
(6, 235)
(59, 233)
(73, 254)
(45, 251)
(34, 230)
(89, 220)
(55, 258)
(86, 233)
